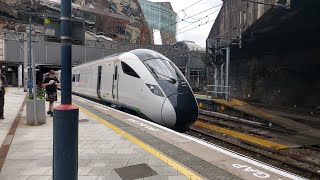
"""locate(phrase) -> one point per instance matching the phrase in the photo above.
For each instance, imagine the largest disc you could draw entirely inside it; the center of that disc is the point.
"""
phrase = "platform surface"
(112, 144)
(13, 100)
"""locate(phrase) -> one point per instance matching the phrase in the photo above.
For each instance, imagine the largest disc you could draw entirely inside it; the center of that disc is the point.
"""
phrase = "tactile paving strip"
(194, 163)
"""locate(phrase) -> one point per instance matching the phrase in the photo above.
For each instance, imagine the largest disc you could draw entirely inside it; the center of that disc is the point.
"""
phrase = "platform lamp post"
(30, 55)
(32, 70)
(33, 77)
(65, 116)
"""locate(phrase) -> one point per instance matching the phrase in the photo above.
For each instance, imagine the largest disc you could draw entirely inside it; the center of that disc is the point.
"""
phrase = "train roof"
(142, 54)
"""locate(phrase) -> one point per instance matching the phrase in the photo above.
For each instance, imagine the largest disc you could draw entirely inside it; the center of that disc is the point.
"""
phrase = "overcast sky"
(199, 34)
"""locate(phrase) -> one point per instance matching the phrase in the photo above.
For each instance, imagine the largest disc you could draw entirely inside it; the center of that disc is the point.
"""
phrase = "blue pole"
(65, 116)
(66, 51)
(66, 74)
(30, 56)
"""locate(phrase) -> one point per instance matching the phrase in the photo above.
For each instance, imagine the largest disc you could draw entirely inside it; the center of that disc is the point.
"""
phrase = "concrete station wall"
(291, 79)
(286, 77)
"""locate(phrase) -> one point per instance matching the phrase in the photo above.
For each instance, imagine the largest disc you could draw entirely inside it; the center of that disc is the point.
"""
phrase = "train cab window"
(164, 70)
(128, 70)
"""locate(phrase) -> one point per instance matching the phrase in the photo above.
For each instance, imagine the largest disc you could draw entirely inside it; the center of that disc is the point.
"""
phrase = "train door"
(99, 82)
(115, 90)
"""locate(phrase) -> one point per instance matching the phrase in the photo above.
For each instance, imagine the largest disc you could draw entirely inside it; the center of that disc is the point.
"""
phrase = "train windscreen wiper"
(153, 70)
(172, 80)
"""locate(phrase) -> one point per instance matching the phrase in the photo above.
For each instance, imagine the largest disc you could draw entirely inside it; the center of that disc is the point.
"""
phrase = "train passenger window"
(78, 78)
(128, 70)
(73, 78)
(116, 73)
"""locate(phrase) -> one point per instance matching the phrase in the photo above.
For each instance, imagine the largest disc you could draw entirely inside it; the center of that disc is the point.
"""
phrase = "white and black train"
(141, 80)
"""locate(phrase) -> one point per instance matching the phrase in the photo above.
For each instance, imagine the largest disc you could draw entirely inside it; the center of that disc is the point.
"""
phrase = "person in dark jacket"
(3, 85)
(51, 83)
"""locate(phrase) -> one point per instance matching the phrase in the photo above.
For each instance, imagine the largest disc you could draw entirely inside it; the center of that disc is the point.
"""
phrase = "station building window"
(159, 16)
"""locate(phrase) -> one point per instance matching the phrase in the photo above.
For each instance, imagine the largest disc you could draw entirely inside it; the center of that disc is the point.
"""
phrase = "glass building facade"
(159, 16)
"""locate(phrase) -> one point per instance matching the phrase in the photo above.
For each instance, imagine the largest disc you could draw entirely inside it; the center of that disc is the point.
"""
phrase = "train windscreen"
(164, 70)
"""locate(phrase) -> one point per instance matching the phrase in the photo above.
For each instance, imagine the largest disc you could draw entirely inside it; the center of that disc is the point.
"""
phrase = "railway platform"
(117, 145)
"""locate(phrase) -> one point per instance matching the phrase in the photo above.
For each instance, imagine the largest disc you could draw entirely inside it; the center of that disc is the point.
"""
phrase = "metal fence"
(48, 53)
(92, 49)
(196, 81)
(219, 91)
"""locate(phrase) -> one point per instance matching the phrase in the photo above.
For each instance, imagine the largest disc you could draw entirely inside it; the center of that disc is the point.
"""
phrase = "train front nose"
(179, 111)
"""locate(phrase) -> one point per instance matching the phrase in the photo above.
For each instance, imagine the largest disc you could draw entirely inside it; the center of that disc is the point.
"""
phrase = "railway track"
(298, 161)
(265, 155)
(295, 110)
(238, 123)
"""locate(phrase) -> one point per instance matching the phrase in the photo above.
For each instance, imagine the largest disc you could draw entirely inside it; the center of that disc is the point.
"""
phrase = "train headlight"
(155, 90)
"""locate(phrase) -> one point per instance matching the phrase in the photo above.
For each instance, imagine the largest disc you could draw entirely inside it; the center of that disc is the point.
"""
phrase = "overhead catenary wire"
(191, 16)
(190, 25)
(186, 30)
(241, 9)
(176, 13)
(231, 29)
(207, 16)
(184, 18)
(190, 6)
(186, 15)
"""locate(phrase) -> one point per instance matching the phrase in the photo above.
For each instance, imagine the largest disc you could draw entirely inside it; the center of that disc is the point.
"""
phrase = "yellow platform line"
(242, 136)
(146, 147)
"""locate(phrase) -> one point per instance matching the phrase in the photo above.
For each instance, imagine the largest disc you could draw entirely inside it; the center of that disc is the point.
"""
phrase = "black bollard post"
(65, 142)
(65, 116)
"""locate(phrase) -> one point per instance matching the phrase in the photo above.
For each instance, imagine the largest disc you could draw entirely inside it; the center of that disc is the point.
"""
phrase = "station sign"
(52, 29)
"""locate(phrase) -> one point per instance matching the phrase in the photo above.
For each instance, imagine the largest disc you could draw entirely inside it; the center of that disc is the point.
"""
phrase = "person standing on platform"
(3, 85)
(51, 83)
